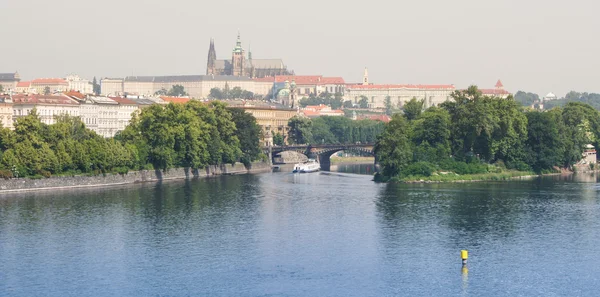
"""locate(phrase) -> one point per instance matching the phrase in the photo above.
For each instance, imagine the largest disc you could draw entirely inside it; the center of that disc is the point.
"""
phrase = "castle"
(242, 65)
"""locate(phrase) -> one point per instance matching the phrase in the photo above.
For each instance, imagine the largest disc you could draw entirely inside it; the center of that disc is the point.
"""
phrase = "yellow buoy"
(464, 255)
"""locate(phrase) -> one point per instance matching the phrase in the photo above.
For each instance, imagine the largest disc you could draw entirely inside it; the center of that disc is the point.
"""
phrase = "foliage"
(339, 130)
(388, 105)
(363, 102)
(278, 139)
(592, 99)
(300, 130)
(177, 91)
(96, 86)
(47, 91)
(394, 148)
(191, 135)
(1, 89)
(161, 92)
(526, 98)
(335, 101)
(226, 93)
(470, 133)
(248, 132)
(413, 108)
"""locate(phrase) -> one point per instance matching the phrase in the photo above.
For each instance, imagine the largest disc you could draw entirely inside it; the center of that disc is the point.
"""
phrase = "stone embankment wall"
(289, 157)
(63, 182)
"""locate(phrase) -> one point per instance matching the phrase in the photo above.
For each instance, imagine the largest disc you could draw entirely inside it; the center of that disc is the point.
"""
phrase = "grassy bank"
(453, 177)
(338, 160)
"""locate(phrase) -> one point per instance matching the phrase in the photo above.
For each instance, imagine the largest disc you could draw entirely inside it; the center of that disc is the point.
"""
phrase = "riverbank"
(355, 160)
(456, 178)
(132, 177)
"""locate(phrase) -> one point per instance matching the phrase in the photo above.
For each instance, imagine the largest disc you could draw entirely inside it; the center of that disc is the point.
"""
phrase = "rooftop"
(176, 100)
(59, 81)
(43, 99)
(408, 86)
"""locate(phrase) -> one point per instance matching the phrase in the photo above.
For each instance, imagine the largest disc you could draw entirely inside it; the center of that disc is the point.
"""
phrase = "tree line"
(332, 130)
(193, 135)
(471, 132)
(226, 93)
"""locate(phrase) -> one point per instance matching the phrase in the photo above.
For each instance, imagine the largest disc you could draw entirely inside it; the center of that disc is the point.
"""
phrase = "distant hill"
(527, 99)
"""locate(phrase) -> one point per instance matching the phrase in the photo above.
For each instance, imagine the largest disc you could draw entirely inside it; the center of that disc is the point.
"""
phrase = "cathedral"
(242, 65)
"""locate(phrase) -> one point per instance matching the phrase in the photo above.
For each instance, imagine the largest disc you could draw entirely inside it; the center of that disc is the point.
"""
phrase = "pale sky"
(532, 45)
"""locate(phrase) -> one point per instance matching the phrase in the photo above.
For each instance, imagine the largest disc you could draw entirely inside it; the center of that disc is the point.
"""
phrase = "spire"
(212, 57)
(366, 77)
(499, 85)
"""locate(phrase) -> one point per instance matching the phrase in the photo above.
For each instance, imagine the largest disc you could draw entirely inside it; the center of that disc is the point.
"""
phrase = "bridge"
(322, 152)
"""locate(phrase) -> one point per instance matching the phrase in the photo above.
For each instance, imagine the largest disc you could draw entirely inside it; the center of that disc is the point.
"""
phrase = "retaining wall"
(27, 184)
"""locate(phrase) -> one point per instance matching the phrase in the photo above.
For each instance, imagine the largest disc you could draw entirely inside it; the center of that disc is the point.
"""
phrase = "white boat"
(306, 167)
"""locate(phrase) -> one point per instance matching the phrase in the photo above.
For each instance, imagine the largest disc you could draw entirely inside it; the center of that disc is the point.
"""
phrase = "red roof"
(177, 100)
(310, 79)
(368, 87)
(332, 81)
(47, 81)
(23, 84)
(123, 101)
(42, 99)
(499, 84)
(75, 94)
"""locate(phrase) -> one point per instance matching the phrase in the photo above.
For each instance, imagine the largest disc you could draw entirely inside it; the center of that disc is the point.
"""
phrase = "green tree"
(96, 86)
(47, 91)
(388, 105)
(1, 89)
(431, 135)
(161, 92)
(278, 139)
(413, 108)
(177, 91)
(348, 104)
(526, 98)
(300, 130)
(393, 148)
(545, 146)
(248, 132)
(216, 93)
(363, 102)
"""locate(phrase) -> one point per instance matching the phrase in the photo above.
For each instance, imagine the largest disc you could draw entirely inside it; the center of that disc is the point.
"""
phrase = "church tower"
(238, 59)
(212, 59)
(365, 81)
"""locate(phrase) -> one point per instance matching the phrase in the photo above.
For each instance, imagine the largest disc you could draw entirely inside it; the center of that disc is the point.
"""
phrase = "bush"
(44, 173)
(6, 174)
(464, 168)
(121, 170)
(419, 169)
(519, 165)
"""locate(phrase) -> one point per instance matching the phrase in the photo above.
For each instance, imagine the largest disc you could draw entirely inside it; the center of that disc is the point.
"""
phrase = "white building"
(111, 86)
(79, 84)
(47, 106)
(377, 94)
(106, 116)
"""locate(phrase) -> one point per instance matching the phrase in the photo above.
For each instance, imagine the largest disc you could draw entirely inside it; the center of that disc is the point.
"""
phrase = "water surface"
(322, 234)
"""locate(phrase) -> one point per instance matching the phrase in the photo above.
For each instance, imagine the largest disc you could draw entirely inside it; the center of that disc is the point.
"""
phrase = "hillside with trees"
(333, 130)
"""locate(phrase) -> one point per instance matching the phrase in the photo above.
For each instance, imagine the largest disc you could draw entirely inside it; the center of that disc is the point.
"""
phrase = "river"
(321, 234)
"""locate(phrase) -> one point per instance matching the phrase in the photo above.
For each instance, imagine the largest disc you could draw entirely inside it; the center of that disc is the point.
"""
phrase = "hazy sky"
(534, 45)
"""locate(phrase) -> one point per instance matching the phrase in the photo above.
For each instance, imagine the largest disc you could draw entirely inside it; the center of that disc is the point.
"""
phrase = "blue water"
(323, 234)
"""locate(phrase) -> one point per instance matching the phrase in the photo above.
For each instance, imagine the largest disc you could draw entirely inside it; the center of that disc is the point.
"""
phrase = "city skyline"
(539, 46)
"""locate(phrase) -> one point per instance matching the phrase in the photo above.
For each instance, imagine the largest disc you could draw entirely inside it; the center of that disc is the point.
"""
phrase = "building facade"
(47, 106)
(242, 65)
(106, 116)
(6, 112)
(498, 91)
(111, 86)
(79, 84)
(197, 86)
(398, 94)
(54, 85)
(9, 81)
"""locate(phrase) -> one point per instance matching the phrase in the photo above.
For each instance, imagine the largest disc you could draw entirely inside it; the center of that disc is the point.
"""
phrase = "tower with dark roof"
(212, 59)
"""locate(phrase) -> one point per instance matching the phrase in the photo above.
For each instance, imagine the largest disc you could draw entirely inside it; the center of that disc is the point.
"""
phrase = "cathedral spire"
(212, 58)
